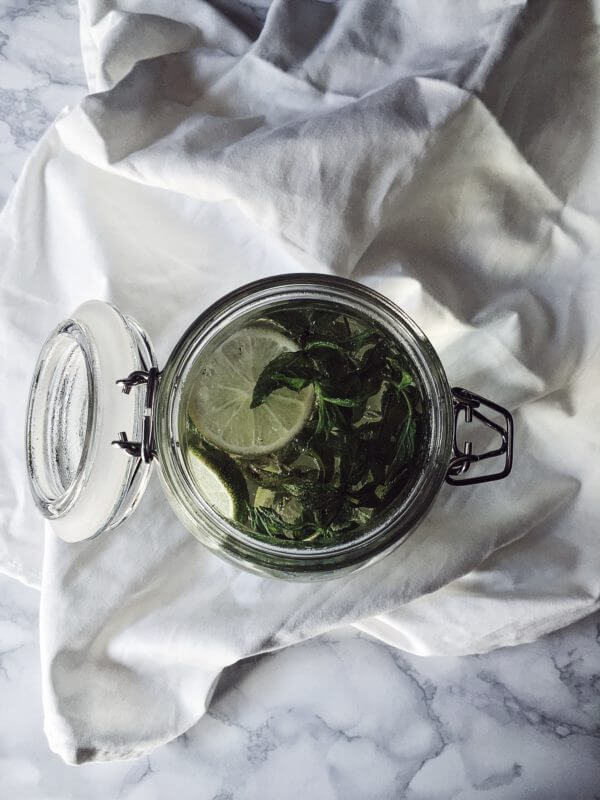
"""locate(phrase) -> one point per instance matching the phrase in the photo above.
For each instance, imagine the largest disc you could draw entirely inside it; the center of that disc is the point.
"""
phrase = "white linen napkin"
(449, 157)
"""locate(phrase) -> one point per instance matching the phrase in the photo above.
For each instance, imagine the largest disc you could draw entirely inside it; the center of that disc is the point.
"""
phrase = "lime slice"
(220, 482)
(220, 396)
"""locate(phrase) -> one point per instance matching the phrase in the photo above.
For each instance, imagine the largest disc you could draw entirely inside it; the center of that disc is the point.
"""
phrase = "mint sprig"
(357, 451)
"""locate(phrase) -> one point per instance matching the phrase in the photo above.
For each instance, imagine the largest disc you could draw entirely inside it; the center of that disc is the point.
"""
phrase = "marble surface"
(341, 716)
(40, 73)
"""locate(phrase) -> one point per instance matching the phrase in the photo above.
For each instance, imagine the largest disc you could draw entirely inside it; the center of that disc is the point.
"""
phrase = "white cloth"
(447, 154)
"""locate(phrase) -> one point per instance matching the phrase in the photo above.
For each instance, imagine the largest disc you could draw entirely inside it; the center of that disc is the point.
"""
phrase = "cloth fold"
(447, 160)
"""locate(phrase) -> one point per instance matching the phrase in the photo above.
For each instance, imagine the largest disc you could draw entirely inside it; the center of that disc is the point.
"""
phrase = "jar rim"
(52, 381)
(395, 523)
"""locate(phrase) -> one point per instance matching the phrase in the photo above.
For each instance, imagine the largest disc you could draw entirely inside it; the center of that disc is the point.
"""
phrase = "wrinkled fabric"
(447, 155)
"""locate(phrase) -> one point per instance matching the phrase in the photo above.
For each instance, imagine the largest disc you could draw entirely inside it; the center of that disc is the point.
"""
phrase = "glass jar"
(101, 413)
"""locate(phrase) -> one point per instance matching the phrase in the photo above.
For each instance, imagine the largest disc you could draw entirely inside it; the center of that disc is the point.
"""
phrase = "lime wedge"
(220, 482)
(221, 393)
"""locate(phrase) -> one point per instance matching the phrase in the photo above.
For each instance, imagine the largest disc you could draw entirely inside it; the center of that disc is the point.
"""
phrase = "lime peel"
(220, 482)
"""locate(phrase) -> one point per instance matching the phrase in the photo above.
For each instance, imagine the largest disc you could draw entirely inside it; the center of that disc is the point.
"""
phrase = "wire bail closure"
(470, 403)
(144, 449)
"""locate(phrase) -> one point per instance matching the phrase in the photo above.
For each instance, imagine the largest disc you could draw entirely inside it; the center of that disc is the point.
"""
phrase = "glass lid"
(80, 482)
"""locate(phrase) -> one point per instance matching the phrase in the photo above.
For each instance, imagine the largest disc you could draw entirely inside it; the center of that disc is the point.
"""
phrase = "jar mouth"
(389, 528)
(61, 419)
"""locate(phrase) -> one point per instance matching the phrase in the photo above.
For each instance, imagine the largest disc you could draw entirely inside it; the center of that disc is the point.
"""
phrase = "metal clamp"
(145, 448)
(469, 403)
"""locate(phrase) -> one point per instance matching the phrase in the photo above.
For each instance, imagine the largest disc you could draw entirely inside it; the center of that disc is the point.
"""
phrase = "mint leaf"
(291, 370)
(357, 450)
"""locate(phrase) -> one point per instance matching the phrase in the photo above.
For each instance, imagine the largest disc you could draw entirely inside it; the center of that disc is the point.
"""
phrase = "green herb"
(292, 370)
(356, 451)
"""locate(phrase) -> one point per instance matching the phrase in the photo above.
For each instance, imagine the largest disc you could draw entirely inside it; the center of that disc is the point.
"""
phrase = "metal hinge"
(462, 459)
(144, 449)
